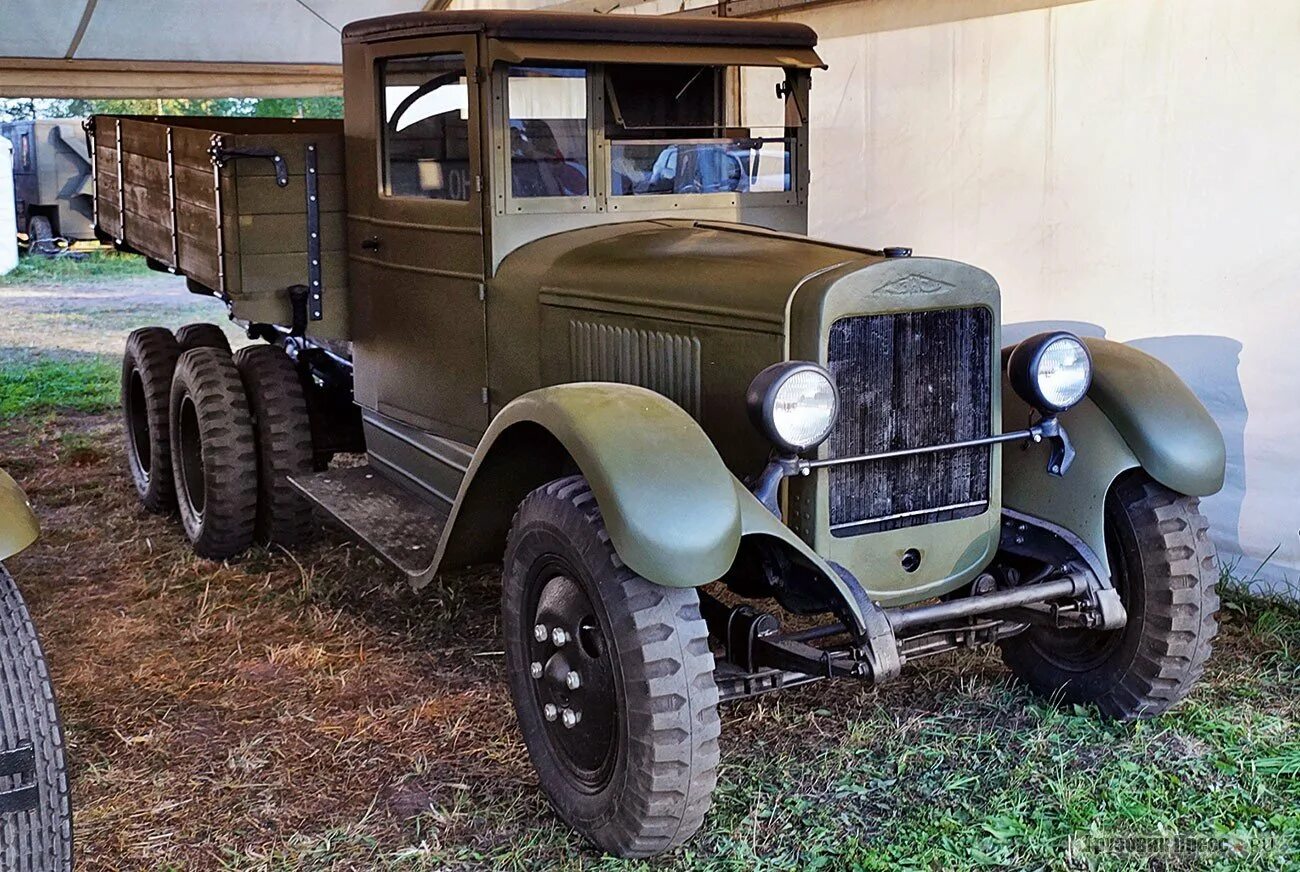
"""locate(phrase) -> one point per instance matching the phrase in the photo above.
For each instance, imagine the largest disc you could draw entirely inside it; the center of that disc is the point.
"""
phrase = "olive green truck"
(551, 275)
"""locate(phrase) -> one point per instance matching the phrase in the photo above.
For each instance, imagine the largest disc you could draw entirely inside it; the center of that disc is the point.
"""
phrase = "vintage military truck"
(576, 326)
(35, 803)
(52, 183)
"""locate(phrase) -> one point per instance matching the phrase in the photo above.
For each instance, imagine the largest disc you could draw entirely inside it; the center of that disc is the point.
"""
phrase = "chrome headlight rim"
(1023, 370)
(761, 398)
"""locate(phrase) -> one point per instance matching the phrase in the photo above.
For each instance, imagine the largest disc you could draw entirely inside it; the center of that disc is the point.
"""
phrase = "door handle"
(370, 243)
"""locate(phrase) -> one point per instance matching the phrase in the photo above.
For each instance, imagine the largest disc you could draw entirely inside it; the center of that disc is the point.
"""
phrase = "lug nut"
(573, 681)
(539, 632)
(570, 718)
(550, 711)
(559, 637)
(535, 669)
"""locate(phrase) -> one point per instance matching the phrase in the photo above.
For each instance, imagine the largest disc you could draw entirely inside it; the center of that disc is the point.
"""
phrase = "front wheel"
(35, 806)
(611, 677)
(1163, 567)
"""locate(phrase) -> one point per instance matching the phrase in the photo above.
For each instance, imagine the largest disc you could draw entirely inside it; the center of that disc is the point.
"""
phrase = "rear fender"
(18, 526)
(1138, 413)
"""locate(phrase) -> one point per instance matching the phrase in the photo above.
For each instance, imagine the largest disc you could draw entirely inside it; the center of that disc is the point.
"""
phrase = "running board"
(402, 528)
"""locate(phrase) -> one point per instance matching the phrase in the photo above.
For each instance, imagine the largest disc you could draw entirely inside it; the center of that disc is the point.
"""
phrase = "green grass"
(51, 384)
(96, 264)
(962, 770)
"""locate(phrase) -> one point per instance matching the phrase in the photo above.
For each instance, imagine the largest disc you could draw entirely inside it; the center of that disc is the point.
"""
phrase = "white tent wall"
(1125, 165)
(8, 218)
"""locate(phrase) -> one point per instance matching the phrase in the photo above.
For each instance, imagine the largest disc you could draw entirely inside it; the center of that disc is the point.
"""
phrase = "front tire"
(628, 757)
(36, 828)
(1163, 566)
(214, 458)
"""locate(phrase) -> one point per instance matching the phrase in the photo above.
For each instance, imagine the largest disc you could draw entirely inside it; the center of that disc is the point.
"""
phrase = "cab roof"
(562, 27)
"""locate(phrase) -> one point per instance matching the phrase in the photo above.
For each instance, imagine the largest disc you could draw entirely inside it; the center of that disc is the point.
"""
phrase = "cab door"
(415, 234)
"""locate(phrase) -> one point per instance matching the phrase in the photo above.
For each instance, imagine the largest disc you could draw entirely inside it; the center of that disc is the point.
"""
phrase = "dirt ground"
(306, 711)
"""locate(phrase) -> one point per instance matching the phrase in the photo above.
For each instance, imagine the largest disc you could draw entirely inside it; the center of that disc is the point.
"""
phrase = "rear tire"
(1163, 566)
(635, 773)
(214, 455)
(38, 837)
(147, 367)
(283, 431)
(202, 336)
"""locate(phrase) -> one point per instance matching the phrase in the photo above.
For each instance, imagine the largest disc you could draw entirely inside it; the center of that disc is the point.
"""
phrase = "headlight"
(1050, 371)
(794, 404)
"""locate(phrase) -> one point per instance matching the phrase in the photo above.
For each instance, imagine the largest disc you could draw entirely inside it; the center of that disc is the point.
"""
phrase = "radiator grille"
(907, 381)
(667, 363)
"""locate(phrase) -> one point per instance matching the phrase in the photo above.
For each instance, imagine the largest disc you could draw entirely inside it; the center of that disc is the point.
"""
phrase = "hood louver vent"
(667, 363)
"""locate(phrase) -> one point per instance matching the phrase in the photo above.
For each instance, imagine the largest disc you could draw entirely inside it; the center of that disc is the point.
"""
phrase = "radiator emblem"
(914, 284)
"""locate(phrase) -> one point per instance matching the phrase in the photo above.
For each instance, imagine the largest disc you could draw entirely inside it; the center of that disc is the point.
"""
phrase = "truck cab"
(470, 138)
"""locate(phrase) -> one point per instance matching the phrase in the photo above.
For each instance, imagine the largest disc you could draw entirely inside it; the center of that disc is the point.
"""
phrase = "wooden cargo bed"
(225, 202)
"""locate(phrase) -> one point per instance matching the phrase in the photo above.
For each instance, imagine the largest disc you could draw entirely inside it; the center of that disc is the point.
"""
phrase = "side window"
(425, 140)
(548, 131)
(25, 152)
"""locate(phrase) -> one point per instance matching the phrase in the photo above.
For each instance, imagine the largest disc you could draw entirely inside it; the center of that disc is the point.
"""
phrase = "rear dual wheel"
(611, 677)
(216, 437)
(214, 455)
(147, 368)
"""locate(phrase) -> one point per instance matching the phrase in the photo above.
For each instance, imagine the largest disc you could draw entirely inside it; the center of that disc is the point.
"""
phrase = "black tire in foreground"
(35, 804)
(284, 447)
(147, 367)
(214, 455)
(202, 336)
(611, 677)
(1163, 566)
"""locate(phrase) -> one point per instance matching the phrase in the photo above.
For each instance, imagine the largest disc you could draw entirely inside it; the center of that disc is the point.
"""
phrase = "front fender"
(1138, 413)
(1160, 419)
(675, 514)
(18, 527)
(668, 501)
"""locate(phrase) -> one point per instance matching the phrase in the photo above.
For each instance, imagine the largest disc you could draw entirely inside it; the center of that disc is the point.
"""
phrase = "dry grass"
(213, 707)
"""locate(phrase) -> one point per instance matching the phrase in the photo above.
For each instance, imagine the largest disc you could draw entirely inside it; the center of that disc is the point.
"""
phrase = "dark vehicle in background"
(552, 276)
(53, 190)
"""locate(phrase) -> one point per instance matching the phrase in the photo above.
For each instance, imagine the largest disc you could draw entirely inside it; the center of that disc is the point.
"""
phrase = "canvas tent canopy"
(180, 48)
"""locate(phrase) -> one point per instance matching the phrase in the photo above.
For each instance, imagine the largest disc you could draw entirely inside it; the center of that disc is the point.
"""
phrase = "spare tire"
(35, 803)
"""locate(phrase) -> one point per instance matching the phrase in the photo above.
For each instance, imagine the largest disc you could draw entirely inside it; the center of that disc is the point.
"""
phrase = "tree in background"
(273, 107)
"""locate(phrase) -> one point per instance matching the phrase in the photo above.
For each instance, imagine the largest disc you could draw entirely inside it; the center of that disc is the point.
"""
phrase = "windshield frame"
(599, 197)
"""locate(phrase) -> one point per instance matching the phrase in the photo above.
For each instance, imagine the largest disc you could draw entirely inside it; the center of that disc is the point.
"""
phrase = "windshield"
(699, 129)
(668, 129)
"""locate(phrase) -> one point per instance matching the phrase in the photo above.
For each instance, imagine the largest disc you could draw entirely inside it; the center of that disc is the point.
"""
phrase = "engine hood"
(735, 274)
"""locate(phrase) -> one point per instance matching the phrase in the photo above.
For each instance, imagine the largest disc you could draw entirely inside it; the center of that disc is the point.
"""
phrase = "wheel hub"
(571, 672)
